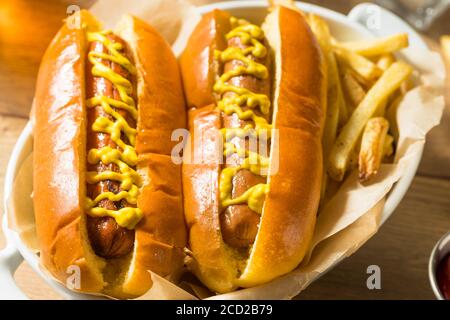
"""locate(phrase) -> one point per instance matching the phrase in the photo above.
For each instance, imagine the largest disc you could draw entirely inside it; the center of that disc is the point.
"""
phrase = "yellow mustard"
(125, 158)
(252, 36)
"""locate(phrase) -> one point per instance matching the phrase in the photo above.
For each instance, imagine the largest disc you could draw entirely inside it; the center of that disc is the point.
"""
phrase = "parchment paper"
(345, 222)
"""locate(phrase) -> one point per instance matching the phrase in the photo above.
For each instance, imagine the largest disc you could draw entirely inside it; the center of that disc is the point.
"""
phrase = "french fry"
(379, 46)
(385, 61)
(361, 65)
(389, 82)
(372, 148)
(366, 84)
(342, 104)
(335, 93)
(445, 44)
(322, 33)
(388, 149)
(391, 115)
(320, 29)
(353, 90)
(381, 110)
(353, 160)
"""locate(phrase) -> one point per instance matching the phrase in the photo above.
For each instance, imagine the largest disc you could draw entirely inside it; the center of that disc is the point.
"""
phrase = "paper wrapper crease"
(345, 222)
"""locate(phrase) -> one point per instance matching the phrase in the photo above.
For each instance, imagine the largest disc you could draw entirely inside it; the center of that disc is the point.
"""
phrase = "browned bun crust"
(60, 157)
(198, 62)
(161, 234)
(289, 213)
(212, 261)
(59, 160)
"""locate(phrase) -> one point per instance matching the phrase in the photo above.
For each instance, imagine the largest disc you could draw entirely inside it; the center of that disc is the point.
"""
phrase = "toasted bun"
(289, 213)
(60, 163)
(198, 62)
(212, 261)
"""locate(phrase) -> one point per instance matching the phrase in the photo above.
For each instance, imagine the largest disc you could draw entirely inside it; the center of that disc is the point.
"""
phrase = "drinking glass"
(419, 13)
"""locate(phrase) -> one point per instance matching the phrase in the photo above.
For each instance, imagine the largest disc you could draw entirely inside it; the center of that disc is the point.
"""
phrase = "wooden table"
(401, 248)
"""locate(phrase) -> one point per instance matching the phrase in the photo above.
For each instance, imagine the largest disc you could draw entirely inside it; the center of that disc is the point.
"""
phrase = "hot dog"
(257, 210)
(107, 195)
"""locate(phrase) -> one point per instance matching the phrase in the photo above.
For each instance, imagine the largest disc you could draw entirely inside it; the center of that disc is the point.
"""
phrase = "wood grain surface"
(401, 248)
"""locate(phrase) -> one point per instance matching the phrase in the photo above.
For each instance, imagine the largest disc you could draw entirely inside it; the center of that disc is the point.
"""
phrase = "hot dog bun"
(60, 163)
(289, 212)
(198, 63)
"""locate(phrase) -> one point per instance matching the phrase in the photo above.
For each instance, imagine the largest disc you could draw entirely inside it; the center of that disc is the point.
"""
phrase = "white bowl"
(357, 25)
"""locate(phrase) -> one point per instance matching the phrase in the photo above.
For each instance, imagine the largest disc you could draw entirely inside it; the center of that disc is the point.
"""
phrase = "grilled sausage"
(239, 224)
(108, 239)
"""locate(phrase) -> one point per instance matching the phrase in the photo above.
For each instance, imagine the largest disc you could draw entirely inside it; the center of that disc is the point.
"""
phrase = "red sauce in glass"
(443, 276)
